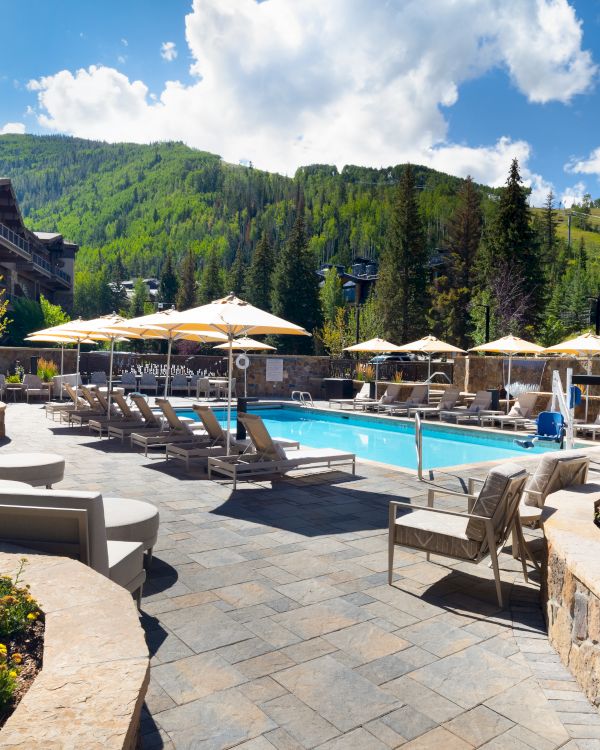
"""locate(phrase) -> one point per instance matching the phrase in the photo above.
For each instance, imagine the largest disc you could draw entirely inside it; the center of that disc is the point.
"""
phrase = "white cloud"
(284, 83)
(13, 127)
(124, 42)
(591, 165)
(573, 194)
(168, 51)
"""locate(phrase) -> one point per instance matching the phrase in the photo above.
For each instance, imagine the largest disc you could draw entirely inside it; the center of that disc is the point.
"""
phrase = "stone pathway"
(271, 624)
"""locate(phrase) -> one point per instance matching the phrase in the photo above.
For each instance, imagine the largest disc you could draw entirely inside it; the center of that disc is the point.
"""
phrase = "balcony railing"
(26, 249)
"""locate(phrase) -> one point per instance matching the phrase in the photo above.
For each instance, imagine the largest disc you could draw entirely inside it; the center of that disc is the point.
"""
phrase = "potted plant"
(46, 370)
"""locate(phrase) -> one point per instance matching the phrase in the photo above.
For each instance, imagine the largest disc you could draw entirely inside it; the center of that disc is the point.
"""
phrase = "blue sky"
(462, 86)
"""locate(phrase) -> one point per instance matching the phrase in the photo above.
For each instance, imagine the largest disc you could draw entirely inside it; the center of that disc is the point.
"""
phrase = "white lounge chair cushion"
(436, 532)
(129, 520)
(35, 469)
(126, 564)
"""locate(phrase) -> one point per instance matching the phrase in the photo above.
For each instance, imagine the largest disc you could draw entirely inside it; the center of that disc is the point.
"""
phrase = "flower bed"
(21, 640)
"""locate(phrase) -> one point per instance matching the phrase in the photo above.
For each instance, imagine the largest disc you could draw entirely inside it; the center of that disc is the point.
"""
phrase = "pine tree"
(549, 241)
(259, 275)
(402, 286)
(452, 293)
(169, 285)
(119, 299)
(237, 274)
(211, 281)
(511, 245)
(296, 288)
(186, 294)
(139, 299)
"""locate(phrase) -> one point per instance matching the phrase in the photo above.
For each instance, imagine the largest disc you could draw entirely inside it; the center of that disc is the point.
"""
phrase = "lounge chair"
(125, 418)
(447, 402)
(148, 382)
(92, 409)
(271, 458)
(418, 397)
(176, 429)
(470, 536)
(476, 409)
(151, 423)
(362, 397)
(389, 397)
(519, 415)
(33, 386)
(70, 524)
(216, 440)
(180, 383)
(584, 428)
(56, 407)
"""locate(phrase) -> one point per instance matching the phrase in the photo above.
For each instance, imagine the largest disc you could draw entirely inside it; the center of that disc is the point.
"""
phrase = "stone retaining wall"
(10, 354)
(300, 373)
(571, 584)
(95, 672)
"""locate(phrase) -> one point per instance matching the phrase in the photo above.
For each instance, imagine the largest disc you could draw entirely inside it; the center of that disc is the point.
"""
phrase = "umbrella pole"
(77, 367)
(62, 367)
(508, 385)
(110, 370)
(587, 389)
(376, 378)
(168, 365)
(428, 375)
(230, 368)
(245, 382)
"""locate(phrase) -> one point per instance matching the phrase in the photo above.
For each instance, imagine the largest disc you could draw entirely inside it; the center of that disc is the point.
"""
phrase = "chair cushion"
(130, 520)
(36, 469)
(437, 533)
(493, 498)
(125, 563)
(555, 471)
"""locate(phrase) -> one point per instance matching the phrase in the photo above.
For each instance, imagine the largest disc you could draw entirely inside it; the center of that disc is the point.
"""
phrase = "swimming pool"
(385, 441)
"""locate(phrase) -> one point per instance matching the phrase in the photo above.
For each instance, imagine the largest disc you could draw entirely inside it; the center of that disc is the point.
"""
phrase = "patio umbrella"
(509, 345)
(431, 345)
(586, 345)
(233, 317)
(374, 346)
(51, 336)
(246, 344)
(163, 325)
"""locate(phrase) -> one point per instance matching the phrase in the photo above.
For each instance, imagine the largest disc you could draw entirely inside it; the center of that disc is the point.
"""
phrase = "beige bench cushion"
(130, 520)
(126, 564)
(36, 469)
(436, 532)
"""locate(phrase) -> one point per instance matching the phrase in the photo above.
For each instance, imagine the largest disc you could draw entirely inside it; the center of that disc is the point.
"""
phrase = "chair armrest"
(535, 493)
(471, 484)
(394, 504)
(454, 493)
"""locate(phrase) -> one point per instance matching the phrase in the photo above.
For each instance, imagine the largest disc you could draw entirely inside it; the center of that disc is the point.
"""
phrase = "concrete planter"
(95, 672)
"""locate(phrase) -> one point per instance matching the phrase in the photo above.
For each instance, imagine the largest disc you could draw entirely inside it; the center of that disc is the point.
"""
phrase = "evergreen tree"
(402, 286)
(511, 246)
(119, 299)
(452, 292)
(169, 284)
(259, 275)
(237, 274)
(211, 281)
(296, 288)
(186, 294)
(331, 295)
(549, 241)
(139, 299)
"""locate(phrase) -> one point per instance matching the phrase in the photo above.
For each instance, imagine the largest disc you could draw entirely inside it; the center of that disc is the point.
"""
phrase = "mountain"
(131, 202)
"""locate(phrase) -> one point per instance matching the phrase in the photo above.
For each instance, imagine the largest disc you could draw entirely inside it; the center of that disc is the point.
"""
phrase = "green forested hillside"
(136, 201)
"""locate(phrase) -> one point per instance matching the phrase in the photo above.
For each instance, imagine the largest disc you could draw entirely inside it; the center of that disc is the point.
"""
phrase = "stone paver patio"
(271, 624)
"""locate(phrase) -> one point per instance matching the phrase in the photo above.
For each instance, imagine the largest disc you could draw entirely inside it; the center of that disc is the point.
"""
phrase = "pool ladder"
(303, 398)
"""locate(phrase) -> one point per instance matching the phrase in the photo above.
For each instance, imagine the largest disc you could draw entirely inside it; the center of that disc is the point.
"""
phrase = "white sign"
(274, 370)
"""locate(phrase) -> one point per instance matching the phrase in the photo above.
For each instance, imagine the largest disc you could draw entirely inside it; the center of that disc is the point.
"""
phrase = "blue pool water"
(385, 441)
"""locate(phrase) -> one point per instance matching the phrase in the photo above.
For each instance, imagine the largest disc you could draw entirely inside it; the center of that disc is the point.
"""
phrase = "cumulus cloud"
(168, 51)
(573, 194)
(284, 83)
(591, 165)
(13, 127)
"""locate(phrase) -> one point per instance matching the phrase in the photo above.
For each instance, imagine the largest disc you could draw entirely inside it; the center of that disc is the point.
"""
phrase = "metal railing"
(25, 248)
(415, 372)
(419, 445)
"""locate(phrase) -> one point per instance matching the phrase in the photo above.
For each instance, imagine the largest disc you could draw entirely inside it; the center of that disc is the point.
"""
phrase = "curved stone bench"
(36, 469)
(91, 689)
(571, 583)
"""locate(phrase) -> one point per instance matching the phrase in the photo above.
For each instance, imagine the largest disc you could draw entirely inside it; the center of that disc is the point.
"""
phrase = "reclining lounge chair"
(476, 409)
(447, 402)
(362, 397)
(418, 397)
(150, 422)
(177, 429)
(519, 415)
(125, 418)
(271, 458)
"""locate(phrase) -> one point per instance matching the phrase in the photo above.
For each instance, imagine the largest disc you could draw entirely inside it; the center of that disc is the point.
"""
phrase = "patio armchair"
(467, 536)
(519, 415)
(418, 397)
(33, 386)
(179, 382)
(128, 382)
(98, 379)
(148, 382)
(204, 388)
(71, 524)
